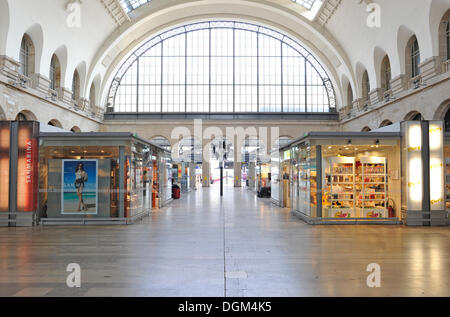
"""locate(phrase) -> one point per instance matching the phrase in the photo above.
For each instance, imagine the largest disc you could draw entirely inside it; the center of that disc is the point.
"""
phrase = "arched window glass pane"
(448, 39)
(308, 4)
(53, 73)
(386, 73)
(221, 67)
(24, 57)
(415, 58)
(130, 5)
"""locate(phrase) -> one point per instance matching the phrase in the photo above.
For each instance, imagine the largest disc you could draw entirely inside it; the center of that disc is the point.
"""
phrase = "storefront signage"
(79, 187)
(27, 173)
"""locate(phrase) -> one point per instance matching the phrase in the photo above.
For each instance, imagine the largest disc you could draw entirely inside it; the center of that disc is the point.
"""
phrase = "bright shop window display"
(354, 177)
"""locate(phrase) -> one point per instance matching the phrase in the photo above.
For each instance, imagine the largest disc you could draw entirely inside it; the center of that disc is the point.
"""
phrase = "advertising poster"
(79, 187)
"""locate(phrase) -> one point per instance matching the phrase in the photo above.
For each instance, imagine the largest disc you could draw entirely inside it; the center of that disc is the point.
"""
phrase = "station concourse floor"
(237, 246)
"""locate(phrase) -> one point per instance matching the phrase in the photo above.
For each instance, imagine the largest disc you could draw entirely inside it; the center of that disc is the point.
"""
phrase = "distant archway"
(75, 129)
(25, 115)
(385, 123)
(414, 116)
(55, 123)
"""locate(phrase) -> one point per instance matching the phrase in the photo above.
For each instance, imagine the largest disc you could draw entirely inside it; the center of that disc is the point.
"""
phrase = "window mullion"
(162, 75)
(257, 72)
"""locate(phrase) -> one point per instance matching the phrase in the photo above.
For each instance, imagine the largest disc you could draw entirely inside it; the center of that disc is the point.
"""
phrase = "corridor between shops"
(240, 245)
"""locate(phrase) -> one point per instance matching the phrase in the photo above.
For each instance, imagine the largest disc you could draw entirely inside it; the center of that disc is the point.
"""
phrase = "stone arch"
(404, 36)
(442, 110)
(75, 129)
(414, 116)
(36, 35)
(25, 115)
(385, 123)
(443, 31)
(55, 123)
(366, 129)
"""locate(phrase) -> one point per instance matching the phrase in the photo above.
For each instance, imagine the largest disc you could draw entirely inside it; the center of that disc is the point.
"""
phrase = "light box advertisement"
(79, 187)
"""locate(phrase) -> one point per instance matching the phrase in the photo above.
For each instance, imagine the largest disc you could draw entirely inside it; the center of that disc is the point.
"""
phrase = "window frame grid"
(237, 26)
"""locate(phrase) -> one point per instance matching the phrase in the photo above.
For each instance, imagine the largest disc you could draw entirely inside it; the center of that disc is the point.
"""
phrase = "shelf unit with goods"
(372, 187)
(447, 186)
(339, 198)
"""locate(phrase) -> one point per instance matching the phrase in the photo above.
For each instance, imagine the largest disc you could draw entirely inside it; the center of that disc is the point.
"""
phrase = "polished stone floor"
(240, 245)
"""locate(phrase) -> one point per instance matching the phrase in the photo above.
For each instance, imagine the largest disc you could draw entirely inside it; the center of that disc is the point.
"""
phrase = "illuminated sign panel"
(5, 138)
(27, 168)
(414, 171)
(437, 180)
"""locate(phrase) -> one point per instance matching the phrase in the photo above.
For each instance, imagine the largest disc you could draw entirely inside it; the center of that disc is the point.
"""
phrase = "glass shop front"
(344, 178)
(99, 177)
(447, 175)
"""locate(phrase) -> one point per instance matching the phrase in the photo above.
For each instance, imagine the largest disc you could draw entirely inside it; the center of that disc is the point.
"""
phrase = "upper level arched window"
(447, 38)
(55, 73)
(26, 58)
(349, 95)
(414, 57)
(76, 86)
(365, 86)
(92, 102)
(221, 67)
(386, 74)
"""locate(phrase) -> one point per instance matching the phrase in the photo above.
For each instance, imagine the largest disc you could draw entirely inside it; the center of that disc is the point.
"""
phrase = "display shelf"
(372, 187)
(340, 187)
(447, 186)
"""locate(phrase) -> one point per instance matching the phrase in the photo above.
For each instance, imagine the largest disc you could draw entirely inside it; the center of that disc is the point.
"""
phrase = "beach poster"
(79, 187)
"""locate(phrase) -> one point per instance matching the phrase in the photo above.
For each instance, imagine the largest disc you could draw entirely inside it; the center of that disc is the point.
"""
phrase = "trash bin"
(176, 192)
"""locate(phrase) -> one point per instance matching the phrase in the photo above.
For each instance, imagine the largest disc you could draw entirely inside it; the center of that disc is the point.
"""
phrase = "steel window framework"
(221, 67)
(130, 5)
(308, 4)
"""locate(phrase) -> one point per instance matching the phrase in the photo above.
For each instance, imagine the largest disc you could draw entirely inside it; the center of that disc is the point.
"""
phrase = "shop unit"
(346, 178)
(398, 174)
(100, 178)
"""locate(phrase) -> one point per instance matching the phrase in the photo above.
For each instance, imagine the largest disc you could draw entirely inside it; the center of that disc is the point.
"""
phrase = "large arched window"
(221, 67)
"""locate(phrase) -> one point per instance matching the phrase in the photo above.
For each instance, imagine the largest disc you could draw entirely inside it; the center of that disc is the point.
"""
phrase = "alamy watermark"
(74, 278)
(73, 9)
(374, 14)
(374, 278)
